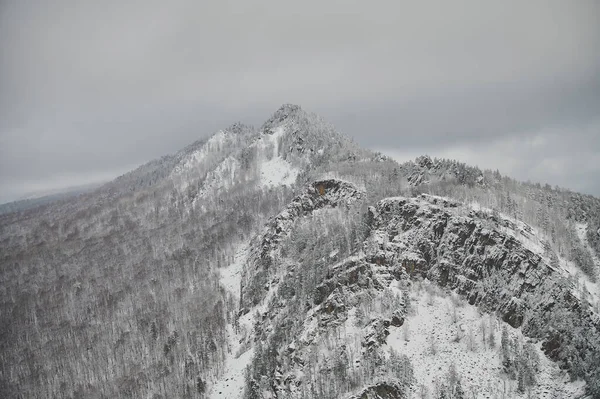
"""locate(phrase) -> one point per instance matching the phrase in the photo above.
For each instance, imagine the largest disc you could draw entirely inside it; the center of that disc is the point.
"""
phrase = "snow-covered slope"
(449, 250)
(261, 268)
(582, 229)
(275, 155)
(214, 161)
(534, 240)
(231, 383)
(280, 262)
(443, 331)
(274, 169)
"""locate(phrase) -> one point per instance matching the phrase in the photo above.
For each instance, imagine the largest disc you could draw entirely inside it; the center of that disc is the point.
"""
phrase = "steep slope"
(260, 271)
(471, 254)
(583, 233)
(309, 323)
(126, 278)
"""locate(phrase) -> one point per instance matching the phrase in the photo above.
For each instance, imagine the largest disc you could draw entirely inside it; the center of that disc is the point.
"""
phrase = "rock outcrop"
(481, 255)
(382, 390)
(260, 268)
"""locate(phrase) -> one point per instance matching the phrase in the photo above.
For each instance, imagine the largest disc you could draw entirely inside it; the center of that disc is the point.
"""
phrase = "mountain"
(286, 261)
(37, 199)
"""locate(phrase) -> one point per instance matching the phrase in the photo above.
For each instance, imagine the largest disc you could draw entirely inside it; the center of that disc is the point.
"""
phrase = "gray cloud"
(88, 89)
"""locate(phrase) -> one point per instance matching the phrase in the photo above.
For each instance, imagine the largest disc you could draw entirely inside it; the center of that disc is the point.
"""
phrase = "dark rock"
(376, 334)
(397, 319)
(382, 390)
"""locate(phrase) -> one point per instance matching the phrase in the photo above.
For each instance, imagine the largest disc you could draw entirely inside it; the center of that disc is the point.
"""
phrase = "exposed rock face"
(481, 255)
(383, 390)
(260, 270)
(478, 255)
(376, 334)
(309, 138)
(461, 251)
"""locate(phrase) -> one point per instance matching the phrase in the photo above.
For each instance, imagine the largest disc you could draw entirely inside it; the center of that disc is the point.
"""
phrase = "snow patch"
(231, 383)
(214, 143)
(222, 177)
(231, 276)
(240, 352)
(276, 172)
(593, 288)
(206, 160)
(429, 338)
(527, 235)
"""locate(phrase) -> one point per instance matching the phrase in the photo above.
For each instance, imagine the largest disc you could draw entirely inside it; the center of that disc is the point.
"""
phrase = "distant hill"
(34, 200)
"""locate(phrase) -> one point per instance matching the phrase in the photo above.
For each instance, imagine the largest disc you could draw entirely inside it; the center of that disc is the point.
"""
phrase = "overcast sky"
(91, 89)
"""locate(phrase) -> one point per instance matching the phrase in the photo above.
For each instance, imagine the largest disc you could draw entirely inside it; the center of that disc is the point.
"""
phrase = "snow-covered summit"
(284, 112)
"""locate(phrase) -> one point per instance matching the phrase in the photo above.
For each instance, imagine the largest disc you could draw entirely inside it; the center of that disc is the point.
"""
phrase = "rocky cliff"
(488, 259)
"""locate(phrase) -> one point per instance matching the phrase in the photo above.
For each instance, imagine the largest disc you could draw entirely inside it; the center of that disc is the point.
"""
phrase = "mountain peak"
(285, 112)
(287, 109)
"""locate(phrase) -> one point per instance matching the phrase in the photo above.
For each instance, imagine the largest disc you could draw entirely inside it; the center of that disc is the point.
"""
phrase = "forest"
(116, 292)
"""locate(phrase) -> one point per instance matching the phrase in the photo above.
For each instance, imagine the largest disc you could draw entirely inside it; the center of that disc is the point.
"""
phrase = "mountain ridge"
(349, 278)
(418, 171)
(178, 267)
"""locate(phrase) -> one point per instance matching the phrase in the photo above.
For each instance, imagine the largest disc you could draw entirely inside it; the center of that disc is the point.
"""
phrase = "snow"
(274, 170)
(231, 384)
(231, 275)
(581, 229)
(478, 365)
(222, 177)
(191, 162)
(277, 172)
(527, 235)
(206, 159)
(532, 239)
(276, 135)
(432, 320)
(593, 288)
